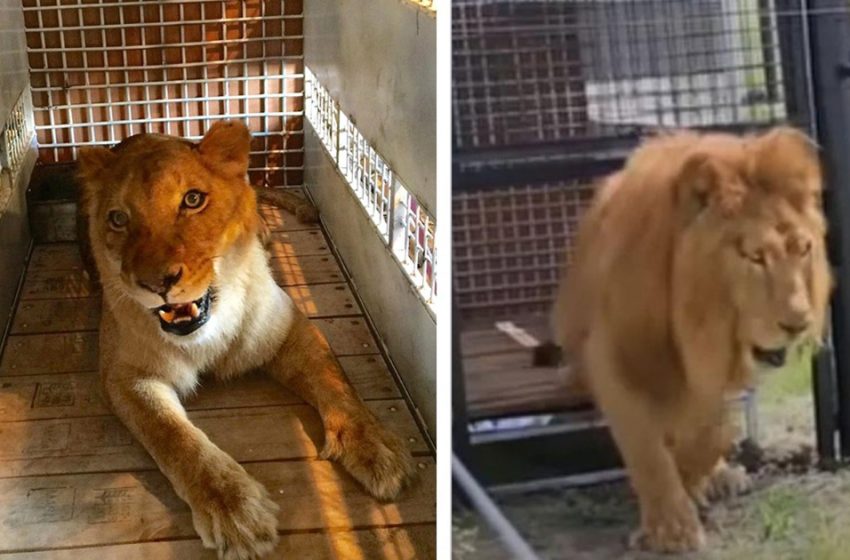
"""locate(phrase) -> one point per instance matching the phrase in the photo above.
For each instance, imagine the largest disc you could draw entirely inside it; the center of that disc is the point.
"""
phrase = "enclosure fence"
(402, 223)
(104, 70)
(536, 82)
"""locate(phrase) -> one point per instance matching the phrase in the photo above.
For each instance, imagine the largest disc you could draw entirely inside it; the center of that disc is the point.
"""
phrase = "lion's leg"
(705, 473)
(375, 456)
(231, 511)
(669, 520)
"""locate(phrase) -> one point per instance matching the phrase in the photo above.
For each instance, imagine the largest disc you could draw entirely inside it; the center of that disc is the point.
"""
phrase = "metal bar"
(491, 513)
(825, 391)
(830, 49)
(460, 418)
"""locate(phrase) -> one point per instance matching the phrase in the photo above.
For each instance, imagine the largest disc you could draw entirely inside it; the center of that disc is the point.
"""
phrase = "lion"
(175, 232)
(701, 262)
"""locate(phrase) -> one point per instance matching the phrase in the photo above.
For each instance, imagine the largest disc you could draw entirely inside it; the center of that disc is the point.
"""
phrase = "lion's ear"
(704, 182)
(786, 161)
(91, 163)
(226, 147)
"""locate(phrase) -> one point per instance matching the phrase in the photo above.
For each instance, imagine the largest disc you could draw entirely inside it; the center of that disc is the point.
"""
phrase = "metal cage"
(106, 70)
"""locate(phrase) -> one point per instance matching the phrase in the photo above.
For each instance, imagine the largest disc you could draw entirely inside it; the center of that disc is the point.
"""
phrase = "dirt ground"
(795, 512)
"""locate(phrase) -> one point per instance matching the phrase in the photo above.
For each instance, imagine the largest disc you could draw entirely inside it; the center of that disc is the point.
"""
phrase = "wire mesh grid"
(536, 71)
(400, 221)
(104, 70)
(17, 134)
(508, 246)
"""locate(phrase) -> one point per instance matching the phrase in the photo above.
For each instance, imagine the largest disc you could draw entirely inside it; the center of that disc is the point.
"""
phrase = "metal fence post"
(829, 24)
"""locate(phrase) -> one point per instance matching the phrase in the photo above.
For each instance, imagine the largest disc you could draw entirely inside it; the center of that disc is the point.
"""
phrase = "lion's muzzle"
(185, 318)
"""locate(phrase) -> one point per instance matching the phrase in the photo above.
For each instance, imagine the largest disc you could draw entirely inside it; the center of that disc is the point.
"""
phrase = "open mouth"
(184, 318)
(773, 358)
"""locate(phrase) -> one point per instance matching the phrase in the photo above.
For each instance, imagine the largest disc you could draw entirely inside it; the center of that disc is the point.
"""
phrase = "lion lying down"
(702, 261)
(173, 228)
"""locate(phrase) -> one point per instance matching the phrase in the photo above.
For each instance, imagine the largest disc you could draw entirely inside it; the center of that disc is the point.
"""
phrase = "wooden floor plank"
(114, 508)
(280, 220)
(53, 284)
(298, 243)
(311, 269)
(347, 336)
(324, 300)
(49, 353)
(55, 256)
(57, 315)
(79, 445)
(411, 542)
(72, 395)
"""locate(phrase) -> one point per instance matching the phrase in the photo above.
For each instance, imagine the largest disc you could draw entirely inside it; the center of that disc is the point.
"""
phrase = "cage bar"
(105, 70)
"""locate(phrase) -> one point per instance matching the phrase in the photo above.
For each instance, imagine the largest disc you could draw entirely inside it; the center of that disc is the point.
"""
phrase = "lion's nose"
(171, 277)
(796, 328)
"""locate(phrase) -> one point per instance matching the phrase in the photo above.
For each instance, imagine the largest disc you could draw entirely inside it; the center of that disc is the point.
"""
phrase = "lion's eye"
(807, 248)
(118, 219)
(757, 257)
(194, 200)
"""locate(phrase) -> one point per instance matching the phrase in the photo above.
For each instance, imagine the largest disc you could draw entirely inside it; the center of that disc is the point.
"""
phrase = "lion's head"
(751, 249)
(162, 212)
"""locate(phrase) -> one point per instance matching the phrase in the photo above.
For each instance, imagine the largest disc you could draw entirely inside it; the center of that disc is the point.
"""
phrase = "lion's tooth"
(194, 311)
(167, 316)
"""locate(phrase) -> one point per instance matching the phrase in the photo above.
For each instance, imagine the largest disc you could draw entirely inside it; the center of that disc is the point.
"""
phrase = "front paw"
(233, 513)
(375, 457)
(675, 528)
(727, 481)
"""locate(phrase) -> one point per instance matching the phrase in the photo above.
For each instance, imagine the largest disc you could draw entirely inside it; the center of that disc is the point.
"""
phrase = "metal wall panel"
(378, 59)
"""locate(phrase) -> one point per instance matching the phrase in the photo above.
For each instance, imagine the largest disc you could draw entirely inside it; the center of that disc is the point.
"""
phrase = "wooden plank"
(57, 315)
(313, 269)
(505, 384)
(74, 352)
(324, 300)
(49, 353)
(278, 219)
(347, 336)
(91, 444)
(300, 243)
(408, 542)
(55, 256)
(113, 508)
(72, 395)
(54, 284)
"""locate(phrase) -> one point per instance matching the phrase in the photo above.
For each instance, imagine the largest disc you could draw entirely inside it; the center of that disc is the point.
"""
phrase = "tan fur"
(253, 325)
(668, 296)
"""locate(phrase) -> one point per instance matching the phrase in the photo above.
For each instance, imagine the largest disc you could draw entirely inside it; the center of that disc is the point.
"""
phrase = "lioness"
(187, 288)
(700, 262)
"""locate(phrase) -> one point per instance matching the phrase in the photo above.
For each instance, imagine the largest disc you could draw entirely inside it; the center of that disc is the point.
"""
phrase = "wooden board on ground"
(324, 300)
(53, 284)
(113, 508)
(102, 443)
(311, 269)
(300, 243)
(501, 380)
(57, 315)
(72, 395)
(55, 256)
(407, 542)
(278, 219)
